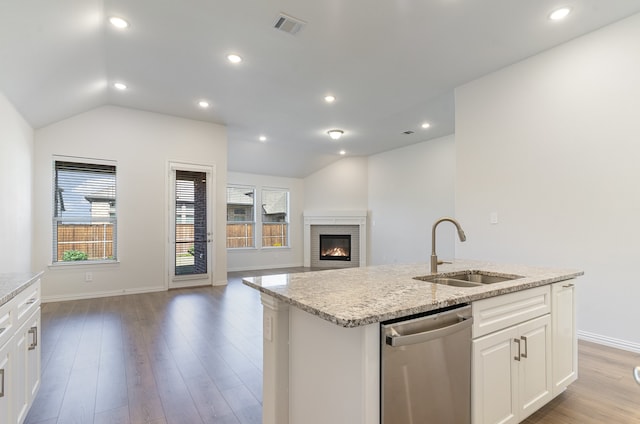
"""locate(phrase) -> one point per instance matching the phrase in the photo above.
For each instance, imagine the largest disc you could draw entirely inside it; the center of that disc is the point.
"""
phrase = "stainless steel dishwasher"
(426, 368)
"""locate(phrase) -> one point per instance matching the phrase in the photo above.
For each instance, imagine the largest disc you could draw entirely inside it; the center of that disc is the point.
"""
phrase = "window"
(84, 211)
(275, 218)
(240, 217)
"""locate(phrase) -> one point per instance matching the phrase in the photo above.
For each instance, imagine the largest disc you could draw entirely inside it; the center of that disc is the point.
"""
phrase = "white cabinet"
(19, 354)
(6, 398)
(564, 339)
(511, 356)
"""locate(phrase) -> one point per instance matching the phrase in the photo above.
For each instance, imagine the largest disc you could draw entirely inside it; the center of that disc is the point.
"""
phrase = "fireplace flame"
(336, 251)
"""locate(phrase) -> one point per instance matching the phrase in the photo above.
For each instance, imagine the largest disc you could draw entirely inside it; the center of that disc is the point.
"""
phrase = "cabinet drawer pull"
(2, 383)
(568, 286)
(34, 331)
(524, 339)
(517, 358)
(30, 301)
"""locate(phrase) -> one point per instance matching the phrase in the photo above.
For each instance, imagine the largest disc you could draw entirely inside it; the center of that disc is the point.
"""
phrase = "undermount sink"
(471, 278)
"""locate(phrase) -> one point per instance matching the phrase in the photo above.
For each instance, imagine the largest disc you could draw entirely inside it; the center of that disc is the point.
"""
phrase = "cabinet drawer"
(496, 313)
(28, 302)
(7, 322)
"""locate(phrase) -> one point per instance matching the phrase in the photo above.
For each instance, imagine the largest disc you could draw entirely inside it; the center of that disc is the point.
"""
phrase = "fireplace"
(335, 247)
(350, 222)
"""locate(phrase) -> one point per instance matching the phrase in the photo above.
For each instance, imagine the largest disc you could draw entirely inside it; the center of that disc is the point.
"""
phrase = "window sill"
(80, 264)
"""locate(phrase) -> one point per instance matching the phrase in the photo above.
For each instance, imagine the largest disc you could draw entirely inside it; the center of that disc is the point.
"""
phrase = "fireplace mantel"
(345, 217)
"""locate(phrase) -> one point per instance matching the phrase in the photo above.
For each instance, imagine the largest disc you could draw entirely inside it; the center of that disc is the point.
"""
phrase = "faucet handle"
(443, 262)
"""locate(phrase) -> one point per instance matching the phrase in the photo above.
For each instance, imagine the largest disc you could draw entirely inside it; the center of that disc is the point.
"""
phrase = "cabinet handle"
(524, 338)
(34, 331)
(517, 358)
(2, 384)
(568, 286)
(30, 301)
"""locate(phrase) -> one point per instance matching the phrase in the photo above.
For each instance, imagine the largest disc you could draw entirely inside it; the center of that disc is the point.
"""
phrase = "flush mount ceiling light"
(335, 134)
(560, 14)
(118, 22)
(120, 86)
(425, 125)
(234, 58)
(262, 138)
(343, 152)
(203, 104)
(329, 98)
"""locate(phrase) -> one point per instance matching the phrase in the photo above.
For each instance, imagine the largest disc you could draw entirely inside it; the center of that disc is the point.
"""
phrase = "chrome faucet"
(434, 257)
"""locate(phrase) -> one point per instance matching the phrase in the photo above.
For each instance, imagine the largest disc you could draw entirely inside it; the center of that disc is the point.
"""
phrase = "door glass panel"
(191, 223)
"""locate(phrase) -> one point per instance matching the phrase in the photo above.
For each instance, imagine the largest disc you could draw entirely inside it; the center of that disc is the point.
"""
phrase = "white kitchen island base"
(321, 337)
(316, 372)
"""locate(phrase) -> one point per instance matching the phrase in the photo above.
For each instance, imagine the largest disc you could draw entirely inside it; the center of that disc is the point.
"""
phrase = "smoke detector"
(288, 24)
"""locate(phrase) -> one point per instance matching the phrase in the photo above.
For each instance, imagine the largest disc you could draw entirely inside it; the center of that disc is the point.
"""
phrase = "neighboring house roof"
(239, 196)
(274, 202)
(107, 194)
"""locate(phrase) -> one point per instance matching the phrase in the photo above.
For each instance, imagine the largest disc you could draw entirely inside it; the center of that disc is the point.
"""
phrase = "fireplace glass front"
(335, 247)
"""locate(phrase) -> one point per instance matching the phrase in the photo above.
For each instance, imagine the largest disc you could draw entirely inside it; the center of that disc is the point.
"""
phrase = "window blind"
(84, 211)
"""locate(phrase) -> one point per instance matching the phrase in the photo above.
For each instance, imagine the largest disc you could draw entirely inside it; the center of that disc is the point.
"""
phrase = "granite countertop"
(354, 297)
(11, 284)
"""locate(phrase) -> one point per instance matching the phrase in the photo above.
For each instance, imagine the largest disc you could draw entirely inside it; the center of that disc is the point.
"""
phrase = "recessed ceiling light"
(335, 134)
(329, 98)
(559, 14)
(118, 22)
(234, 58)
(343, 152)
(262, 138)
(426, 125)
(120, 86)
(203, 104)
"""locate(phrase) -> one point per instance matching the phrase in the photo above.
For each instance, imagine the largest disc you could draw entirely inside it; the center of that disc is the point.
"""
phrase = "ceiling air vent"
(288, 24)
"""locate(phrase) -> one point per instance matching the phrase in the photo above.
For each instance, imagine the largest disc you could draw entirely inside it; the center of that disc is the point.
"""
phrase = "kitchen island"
(322, 331)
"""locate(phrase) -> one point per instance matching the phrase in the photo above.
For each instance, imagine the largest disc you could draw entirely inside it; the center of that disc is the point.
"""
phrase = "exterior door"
(190, 225)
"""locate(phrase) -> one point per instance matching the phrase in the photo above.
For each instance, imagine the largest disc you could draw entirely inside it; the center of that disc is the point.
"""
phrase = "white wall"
(552, 145)
(142, 143)
(409, 189)
(262, 258)
(339, 186)
(16, 188)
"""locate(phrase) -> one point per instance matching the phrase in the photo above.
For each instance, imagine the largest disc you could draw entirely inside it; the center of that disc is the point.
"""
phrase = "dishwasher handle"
(426, 336)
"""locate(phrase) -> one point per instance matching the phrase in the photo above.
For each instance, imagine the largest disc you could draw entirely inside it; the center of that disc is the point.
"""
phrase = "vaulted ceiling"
(391, 64)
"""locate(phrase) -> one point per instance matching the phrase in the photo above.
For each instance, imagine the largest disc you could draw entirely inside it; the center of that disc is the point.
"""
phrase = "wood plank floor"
(195, 356)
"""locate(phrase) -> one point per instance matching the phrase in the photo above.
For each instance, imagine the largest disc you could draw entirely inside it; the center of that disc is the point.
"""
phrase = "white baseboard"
(609, 341)
(257, 267)
(220, 283)
(94, 295)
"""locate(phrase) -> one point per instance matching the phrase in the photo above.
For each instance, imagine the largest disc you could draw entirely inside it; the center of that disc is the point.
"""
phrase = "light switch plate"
(493, 217)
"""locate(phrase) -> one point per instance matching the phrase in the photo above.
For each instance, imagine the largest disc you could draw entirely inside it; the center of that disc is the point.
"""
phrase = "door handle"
(524, 339)
(2, 382)
(34, 331)
(517, 358)
(425, 336)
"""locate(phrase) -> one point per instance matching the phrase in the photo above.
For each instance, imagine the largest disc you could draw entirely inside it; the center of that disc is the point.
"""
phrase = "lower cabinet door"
(32, 377)
(26, 378)
(19, 387)
(511, 375)
(6, 395)
(535, 365)
(564, 340)
(495, 372)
